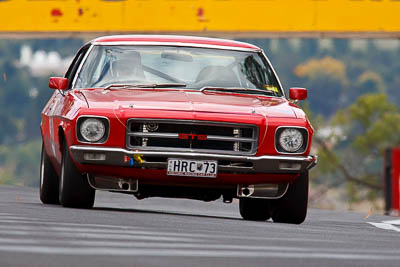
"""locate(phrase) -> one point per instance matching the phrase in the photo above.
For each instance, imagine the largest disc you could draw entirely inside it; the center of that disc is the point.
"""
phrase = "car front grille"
(192, 136)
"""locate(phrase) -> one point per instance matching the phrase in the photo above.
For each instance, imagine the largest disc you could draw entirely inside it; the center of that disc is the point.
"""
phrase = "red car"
(179, 117)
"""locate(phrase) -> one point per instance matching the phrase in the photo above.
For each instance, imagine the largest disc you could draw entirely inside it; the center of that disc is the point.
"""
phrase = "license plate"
(194, 168)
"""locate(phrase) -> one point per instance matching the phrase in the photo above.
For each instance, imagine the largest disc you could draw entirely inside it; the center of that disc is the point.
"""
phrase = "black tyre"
(75, 191)
(254, 209)
(292, 207)
(48, 180)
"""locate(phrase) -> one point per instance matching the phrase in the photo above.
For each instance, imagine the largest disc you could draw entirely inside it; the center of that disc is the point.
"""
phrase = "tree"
(326, 79)
(352, 154)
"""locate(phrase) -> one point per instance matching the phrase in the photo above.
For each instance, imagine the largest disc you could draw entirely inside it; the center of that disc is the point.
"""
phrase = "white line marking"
(80, 230)
(43, 222)
(395, 222)
(192, 253)
(41, 228)
(35, 228)
(9, 217)
(385, 226)
(84, 244)
(18, 241)
(98, 236)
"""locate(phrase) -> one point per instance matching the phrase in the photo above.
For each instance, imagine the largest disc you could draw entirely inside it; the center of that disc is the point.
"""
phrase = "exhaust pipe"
(267, 191)
(107, 183)
(123, 185)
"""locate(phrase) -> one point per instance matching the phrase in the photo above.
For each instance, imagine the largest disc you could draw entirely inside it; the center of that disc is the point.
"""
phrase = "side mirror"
(297, 93)
(58, 83)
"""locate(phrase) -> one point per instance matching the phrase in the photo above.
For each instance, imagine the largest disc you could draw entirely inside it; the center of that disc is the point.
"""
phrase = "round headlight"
(291, 139)
(92, 129)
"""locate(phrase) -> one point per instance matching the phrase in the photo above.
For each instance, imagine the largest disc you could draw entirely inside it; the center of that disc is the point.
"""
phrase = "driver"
(129, 68)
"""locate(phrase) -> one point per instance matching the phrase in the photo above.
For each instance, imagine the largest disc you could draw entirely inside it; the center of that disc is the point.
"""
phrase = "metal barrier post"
(396, 180)
(387, 180)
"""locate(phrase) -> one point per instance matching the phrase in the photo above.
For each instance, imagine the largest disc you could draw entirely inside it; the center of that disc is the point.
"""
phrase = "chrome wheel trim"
(42, 171)
(62, 177)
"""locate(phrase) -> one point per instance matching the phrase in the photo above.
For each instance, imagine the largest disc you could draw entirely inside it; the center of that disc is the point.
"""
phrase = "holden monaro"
(178, 117)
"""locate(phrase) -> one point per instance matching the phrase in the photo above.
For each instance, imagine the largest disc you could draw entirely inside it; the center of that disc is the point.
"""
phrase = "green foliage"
(372, 122)
(19, 164)
(352, 156)
(20, 109)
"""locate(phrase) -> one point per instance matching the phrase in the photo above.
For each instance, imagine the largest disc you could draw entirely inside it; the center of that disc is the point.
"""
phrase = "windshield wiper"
(150, 85)
(235, 89)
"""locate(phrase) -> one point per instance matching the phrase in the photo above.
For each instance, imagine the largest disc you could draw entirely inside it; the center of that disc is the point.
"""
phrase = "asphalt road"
(123, 231)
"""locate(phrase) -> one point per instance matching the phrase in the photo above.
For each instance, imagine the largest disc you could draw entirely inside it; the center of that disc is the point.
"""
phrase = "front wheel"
(75, 190)
(48, 180)
(292, 207)
(254, 209)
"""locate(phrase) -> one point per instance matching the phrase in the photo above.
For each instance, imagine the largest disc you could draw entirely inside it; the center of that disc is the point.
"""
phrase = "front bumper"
(109, 156)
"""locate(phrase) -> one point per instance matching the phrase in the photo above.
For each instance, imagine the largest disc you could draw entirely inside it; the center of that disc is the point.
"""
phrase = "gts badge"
(186, 136)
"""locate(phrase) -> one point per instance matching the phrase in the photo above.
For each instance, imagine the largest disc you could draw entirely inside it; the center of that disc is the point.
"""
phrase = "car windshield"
(204, 69)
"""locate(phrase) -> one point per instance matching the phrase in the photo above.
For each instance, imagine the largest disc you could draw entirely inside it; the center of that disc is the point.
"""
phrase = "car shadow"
(146, 211)
(175, 213)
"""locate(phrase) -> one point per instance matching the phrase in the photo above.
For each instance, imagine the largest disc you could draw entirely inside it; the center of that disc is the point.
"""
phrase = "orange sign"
(218, 17)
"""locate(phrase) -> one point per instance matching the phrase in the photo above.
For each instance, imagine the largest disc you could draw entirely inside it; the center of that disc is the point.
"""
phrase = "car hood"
(186, 100)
